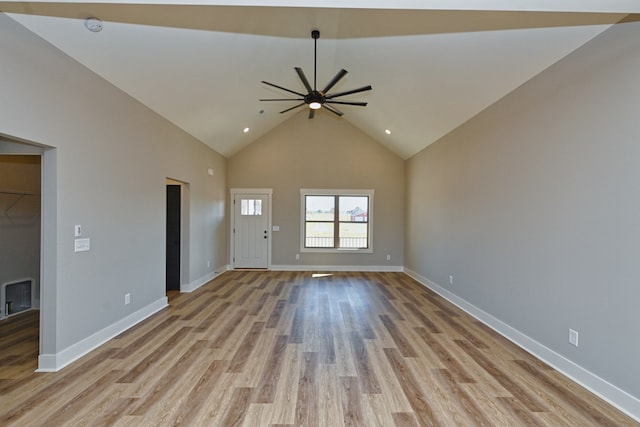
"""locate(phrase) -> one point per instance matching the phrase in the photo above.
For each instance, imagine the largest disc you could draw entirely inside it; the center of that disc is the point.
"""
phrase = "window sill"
(336, 251)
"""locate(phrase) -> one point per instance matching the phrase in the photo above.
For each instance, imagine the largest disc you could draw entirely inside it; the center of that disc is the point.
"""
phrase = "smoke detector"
(93, 24)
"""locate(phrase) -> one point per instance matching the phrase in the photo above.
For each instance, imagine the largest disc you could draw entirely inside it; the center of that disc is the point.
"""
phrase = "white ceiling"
(200, 65)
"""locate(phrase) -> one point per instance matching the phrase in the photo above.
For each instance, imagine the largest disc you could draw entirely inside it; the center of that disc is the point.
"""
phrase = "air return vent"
(16, 297)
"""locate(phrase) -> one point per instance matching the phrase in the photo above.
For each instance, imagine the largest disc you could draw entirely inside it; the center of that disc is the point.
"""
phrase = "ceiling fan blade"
(360, 104)
(305, 82)
(312, 113)
(284, 88)
(348, 92)
(292, 108)
(335, 80)
(284, 99)
(333, 109)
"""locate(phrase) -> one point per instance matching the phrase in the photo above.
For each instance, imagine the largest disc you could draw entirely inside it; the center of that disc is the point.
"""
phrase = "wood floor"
(288, 349)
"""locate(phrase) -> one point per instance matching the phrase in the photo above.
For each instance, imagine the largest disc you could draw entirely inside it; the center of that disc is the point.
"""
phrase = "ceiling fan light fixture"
(315, 105)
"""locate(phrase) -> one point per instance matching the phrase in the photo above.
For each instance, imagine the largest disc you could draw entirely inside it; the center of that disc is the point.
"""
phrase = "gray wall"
(20, 219)
(325, 153)
(106, 171)
(533, 206)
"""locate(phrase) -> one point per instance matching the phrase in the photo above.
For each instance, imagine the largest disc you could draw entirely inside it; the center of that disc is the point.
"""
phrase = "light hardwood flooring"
(288, 349)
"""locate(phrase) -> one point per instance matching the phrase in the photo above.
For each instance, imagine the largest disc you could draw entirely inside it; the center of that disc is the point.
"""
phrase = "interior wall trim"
(615, 396)
(311, 267)
(55, 362)
(201, 281)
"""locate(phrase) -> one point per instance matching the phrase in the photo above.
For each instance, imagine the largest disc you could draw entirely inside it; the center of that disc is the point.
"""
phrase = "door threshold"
(249, 269)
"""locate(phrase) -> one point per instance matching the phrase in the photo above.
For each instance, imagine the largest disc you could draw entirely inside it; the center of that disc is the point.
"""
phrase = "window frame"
(336, 221)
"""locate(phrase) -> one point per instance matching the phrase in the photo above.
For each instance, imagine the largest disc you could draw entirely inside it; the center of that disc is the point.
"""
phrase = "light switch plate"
(77, 230)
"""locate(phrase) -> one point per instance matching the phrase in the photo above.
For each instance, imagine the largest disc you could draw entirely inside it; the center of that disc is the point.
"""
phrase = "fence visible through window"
(327, 242)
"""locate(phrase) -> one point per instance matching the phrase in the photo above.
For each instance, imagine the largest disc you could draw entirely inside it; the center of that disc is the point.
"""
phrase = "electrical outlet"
(127, 299)
(388, 257)
(208, 264)
(297, 256)
(451, 279)
(573, 337)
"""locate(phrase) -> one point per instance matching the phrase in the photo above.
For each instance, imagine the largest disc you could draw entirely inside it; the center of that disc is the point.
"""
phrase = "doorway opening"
(177, 196)
(20, 256)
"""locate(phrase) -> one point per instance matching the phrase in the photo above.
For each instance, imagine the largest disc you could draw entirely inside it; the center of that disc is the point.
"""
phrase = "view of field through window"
(336, 219)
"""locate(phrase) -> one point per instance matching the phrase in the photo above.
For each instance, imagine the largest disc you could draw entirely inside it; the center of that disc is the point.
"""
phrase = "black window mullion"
(336, 223)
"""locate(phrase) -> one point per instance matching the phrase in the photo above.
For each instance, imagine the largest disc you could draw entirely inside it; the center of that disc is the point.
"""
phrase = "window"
(336, 220)
(251, 207)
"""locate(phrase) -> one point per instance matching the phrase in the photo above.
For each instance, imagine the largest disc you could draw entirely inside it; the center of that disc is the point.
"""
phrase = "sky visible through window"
(326, 203)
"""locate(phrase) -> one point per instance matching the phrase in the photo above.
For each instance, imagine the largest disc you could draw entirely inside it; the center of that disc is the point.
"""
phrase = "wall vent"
(16, 297)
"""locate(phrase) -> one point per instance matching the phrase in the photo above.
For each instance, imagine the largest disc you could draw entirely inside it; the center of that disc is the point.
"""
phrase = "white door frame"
(262, 191)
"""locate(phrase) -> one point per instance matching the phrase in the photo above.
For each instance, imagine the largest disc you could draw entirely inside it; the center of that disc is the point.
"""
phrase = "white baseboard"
(376, 268)
(622, 400)
(55, 362)
(190, 287)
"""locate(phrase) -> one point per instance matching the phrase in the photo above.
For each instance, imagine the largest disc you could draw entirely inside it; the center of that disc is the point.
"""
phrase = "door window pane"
(251, 207)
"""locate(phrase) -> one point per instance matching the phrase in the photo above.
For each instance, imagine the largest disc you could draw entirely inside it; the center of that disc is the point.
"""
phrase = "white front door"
(251, 231)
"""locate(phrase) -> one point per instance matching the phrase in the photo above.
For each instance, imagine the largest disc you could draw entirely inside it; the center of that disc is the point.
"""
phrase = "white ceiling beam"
(589, 6)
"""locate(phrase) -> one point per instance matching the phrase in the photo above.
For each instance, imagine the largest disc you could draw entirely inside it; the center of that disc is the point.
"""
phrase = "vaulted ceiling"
(433, 64)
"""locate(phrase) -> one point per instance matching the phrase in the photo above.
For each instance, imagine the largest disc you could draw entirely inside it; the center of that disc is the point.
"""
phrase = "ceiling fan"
(314, 98)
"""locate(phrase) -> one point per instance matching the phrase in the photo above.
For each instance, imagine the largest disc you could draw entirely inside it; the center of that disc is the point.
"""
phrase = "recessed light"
(387, 131)
(245, 130)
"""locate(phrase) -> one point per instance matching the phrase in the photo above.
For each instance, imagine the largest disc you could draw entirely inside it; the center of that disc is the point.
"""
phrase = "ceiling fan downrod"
(316, 35)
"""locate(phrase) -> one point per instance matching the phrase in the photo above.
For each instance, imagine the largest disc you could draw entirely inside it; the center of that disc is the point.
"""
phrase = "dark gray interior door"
(173, 237)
